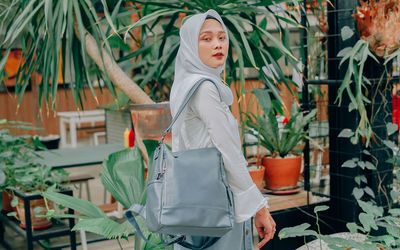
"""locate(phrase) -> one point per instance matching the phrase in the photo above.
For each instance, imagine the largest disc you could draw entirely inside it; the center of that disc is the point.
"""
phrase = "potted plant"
(283, 165)
(15, 151)
(19, 171)
(33, 178)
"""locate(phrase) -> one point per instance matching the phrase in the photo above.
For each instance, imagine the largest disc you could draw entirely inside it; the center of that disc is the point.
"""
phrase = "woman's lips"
(218, 55)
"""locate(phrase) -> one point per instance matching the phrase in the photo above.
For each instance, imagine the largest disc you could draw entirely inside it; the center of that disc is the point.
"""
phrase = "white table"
(75, 118)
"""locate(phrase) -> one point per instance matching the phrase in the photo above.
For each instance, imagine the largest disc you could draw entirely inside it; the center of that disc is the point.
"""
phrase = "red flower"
(286, 120)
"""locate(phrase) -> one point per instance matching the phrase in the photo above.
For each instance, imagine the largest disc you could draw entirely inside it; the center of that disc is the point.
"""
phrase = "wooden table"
(74, 119)
(282, 202)
(76, 157)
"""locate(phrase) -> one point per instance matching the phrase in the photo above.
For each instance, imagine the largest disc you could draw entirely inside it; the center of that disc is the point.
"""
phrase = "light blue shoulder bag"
(187, 193)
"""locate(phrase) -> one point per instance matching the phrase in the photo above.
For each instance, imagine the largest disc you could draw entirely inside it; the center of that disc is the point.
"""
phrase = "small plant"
(281, 142)
(371, 218)
(18, 168)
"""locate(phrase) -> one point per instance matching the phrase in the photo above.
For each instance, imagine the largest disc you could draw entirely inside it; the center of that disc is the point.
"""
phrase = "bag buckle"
(159, 175)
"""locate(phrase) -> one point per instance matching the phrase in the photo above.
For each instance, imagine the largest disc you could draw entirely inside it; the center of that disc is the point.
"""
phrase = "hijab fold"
(189, 69)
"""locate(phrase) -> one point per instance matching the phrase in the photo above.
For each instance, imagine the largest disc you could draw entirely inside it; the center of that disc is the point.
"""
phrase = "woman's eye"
(222, 38)
(207, 39)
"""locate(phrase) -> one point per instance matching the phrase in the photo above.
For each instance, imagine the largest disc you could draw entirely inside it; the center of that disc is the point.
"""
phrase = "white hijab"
(189, 69)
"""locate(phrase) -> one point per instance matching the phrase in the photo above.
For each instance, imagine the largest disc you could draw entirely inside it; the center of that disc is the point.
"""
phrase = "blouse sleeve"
(225, 136)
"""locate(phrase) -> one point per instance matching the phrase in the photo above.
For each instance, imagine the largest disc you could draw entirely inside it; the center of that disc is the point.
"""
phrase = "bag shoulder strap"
(185, 102)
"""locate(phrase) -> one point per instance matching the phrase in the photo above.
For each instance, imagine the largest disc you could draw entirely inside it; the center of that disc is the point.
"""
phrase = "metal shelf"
(58, 227)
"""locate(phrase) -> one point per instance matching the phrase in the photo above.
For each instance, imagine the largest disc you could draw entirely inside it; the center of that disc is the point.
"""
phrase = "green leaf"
(14, 201)
(391, 128)
(299, 230)
(389, 239)
(369, 165)
(395, 211)
(263, 99)
(122, 174)
(358, 193)
(366, 152)
(245, 42)
(349, 164)
(352, 107)
(12, 214)
(346, 133)
(150, 17)
(320, 208)
(389, 144)
(346, 33)
(357, 179)
(106, 227)
(83, 206)
(370, 208)
(344, 52)
(353, 227)
(369, 191)
(108, 16)
(367, 220)
(2, 177)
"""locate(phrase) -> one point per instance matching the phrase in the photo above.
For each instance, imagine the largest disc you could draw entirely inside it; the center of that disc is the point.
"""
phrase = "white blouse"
(208, 122)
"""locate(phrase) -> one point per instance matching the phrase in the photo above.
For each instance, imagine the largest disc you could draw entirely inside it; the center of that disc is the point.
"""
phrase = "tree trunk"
(115, 73)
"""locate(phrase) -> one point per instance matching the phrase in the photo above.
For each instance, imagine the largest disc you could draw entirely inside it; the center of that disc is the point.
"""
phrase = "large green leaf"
(296, 231)
(106, 227)
(263, 99)
(83, 206)
(122, 174)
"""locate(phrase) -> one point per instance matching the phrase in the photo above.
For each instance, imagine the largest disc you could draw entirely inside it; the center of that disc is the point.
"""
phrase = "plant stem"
(119, 244)
(319, 232)
(305, 243)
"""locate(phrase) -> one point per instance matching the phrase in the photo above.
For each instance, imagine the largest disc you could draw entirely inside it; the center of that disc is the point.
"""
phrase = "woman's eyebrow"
(208, 31)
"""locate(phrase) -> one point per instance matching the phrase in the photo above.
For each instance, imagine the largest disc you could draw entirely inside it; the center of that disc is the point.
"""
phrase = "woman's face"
(213, 45)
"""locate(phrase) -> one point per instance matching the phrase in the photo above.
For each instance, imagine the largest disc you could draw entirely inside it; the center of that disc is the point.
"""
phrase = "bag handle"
(185, 102)
(139, 209)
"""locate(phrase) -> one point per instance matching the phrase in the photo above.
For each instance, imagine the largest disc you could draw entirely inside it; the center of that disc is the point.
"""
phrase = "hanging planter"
(378, 22)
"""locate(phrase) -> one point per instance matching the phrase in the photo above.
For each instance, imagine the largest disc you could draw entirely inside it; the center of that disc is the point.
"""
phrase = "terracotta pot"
(281, 173)
(37, 223)
(7, 197)
(258, 176)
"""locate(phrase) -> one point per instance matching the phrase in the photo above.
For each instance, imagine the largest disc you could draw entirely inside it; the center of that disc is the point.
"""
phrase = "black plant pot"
(50, 141)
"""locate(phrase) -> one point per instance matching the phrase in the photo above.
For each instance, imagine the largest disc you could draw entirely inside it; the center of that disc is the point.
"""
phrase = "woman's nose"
(217, 44)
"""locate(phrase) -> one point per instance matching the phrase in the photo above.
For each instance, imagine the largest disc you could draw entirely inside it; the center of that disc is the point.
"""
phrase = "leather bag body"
(188, 193)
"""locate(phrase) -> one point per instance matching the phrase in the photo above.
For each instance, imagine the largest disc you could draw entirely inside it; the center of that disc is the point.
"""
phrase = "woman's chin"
(216, 65)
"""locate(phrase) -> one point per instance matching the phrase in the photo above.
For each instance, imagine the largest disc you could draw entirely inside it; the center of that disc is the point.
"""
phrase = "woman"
(207, 122)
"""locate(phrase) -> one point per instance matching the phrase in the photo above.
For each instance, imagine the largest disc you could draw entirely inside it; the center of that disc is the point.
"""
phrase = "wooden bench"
(80, 179)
